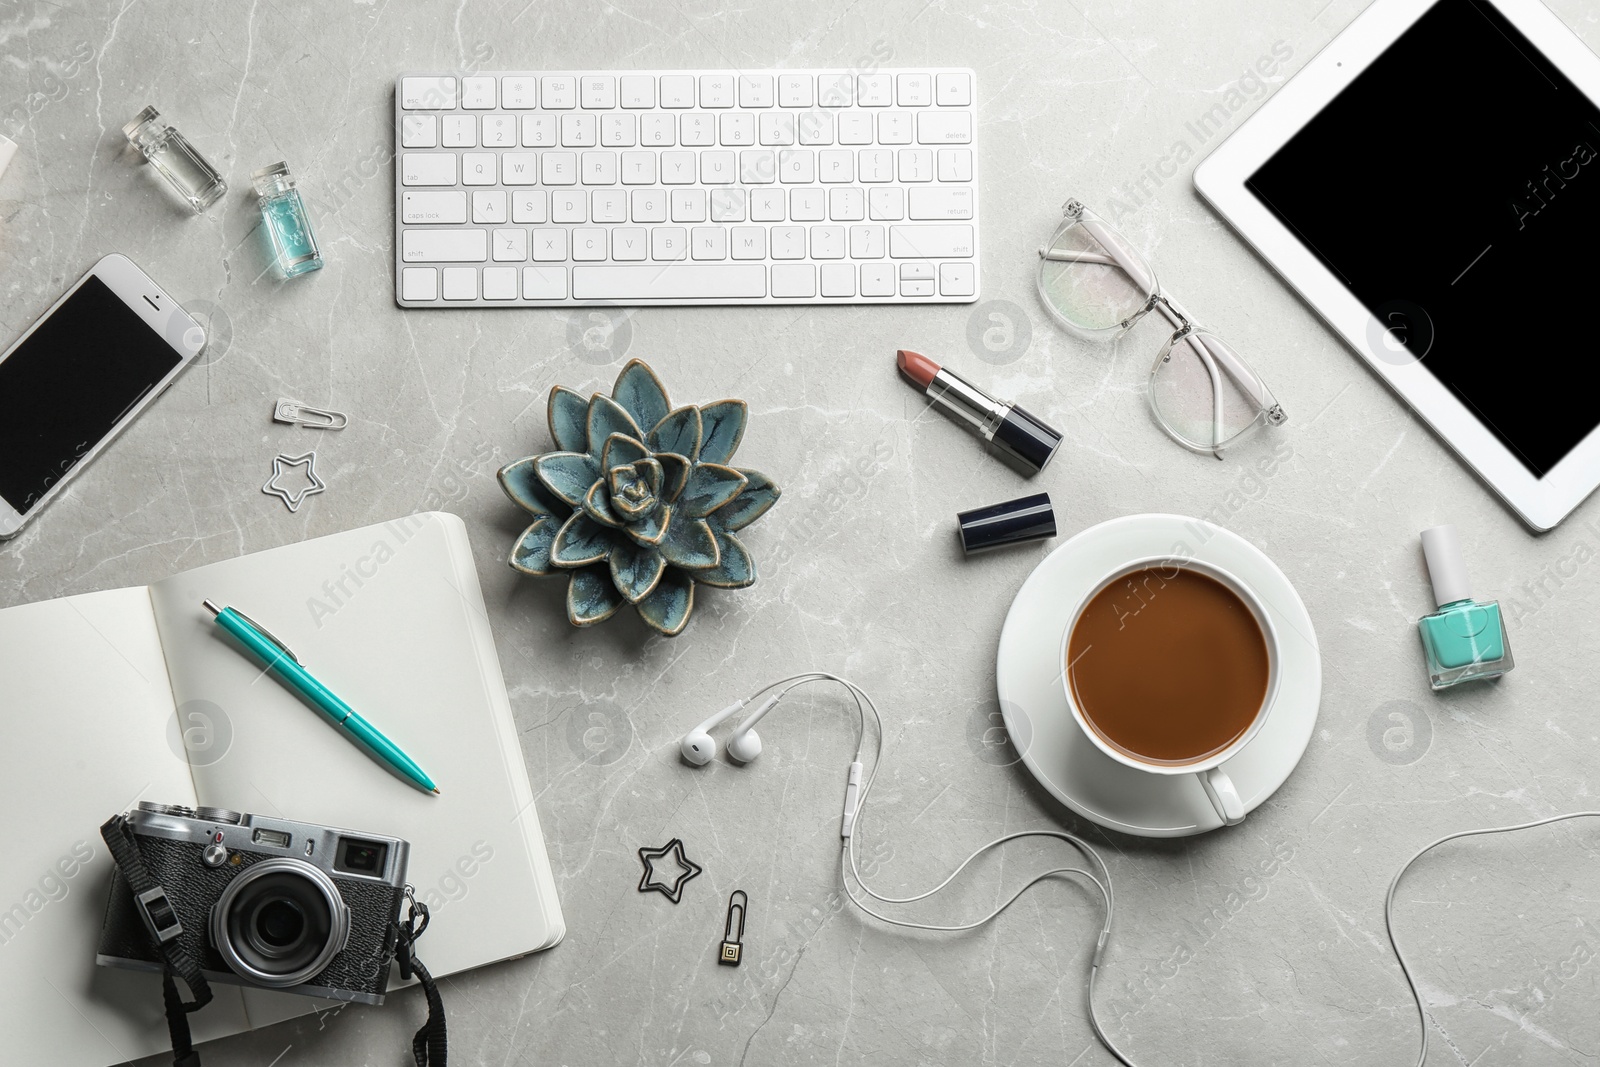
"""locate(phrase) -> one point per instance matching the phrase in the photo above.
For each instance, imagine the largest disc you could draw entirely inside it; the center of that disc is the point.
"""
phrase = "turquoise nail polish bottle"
(284, 213)
(1464, 640)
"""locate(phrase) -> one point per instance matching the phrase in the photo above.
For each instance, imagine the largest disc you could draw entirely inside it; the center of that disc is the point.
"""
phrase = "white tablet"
(1430, 184)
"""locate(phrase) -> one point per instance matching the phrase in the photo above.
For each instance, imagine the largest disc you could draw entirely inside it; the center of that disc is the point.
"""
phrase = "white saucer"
(1055, 749)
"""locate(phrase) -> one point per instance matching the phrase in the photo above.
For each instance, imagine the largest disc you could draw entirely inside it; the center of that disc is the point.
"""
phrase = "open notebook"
(110, 698)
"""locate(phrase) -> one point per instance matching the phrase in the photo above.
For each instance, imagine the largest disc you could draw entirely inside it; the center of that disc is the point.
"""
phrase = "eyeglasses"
(1096, 285)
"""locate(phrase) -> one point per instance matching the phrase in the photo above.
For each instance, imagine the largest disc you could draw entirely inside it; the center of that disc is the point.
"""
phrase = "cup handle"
(1223, 796)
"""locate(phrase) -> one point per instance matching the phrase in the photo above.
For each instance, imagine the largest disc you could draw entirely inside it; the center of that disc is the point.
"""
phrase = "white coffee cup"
(1210, 770)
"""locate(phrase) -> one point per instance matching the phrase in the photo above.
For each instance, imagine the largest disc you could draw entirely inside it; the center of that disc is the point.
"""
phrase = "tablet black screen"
(1454, 187)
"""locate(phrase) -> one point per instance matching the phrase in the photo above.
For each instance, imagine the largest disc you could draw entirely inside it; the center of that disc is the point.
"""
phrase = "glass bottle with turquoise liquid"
(1465, 640)
(284, 214)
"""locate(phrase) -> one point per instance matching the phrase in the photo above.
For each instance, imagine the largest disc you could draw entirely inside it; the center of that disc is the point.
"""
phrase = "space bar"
(670, 281)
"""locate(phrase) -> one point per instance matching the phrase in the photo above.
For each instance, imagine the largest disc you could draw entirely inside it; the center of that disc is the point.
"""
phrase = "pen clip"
(262, 630)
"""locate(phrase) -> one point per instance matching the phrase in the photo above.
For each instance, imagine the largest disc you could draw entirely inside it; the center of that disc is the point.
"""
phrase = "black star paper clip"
(672, 890)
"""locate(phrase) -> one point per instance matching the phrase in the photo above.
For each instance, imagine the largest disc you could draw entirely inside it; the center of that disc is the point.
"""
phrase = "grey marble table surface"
(1262, 944)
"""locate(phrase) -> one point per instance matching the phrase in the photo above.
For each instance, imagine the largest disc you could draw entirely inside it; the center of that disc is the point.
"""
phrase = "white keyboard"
(573, 189)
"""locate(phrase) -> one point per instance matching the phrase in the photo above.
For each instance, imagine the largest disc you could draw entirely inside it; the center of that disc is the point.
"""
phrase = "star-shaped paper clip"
(672, 890)
(292, 499)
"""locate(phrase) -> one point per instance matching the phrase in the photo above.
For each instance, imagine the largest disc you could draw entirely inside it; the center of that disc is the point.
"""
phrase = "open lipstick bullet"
(1015, 433)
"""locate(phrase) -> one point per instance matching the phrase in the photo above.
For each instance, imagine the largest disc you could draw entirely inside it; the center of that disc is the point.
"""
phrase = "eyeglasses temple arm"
(1119, 253)
(1237, 369)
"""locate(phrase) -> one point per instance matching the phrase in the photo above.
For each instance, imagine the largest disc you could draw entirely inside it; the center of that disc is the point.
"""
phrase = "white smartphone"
(80, 374)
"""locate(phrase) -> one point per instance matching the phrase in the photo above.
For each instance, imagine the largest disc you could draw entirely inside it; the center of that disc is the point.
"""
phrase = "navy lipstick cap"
(1028, 518)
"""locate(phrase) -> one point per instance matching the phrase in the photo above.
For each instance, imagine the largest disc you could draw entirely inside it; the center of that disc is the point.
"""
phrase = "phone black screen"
(68, 384)
(1454, 188)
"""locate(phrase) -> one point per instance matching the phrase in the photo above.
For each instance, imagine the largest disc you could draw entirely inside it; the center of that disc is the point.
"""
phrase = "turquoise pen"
(280, 660)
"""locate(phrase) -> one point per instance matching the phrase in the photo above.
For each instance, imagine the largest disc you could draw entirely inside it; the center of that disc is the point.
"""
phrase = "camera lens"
(279, 923)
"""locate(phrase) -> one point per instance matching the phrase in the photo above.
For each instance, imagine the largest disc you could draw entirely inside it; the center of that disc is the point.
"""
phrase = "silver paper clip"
(297, 414)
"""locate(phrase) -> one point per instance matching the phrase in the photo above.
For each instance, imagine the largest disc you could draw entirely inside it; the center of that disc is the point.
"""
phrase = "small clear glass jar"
(284, 213)
(176, 159)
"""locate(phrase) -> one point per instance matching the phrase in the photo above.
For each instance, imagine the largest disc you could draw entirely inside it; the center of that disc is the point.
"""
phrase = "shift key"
(930, 242)
(444, 246)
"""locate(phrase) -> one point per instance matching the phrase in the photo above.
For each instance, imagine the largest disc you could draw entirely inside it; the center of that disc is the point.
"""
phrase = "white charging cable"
(858, 787)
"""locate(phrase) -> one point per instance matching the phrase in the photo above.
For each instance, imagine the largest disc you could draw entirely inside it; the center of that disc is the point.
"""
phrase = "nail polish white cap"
(8, 148)
(1441, 547)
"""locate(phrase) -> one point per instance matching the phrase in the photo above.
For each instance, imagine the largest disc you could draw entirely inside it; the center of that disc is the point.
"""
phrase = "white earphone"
(745, 744)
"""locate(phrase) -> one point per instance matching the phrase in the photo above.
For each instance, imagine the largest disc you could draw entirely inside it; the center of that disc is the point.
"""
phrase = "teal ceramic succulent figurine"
(639, 502)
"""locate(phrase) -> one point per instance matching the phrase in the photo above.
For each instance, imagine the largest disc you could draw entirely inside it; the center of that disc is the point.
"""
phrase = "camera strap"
(155, 908)
(428, 1046)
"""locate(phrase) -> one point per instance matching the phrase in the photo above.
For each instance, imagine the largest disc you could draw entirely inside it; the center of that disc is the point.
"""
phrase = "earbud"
(697, 746)
(745, 745)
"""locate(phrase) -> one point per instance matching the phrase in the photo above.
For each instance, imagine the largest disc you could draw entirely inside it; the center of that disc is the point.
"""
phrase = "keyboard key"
(419, 131)
(688, 281)
(478, 168)
(510, 245)
(931, 242)
(877, 279)
(797, 166)
(540, 130)
(911, 90)
(755, 90)
(794, 90)
(855, 127)
(835, 90)
(806, 205)
(517, 93)
(609, 205)
(461, 283)
(599, 168)
(568, 205)
(776, 128)
(428, 94)
(708, 242)
(669, 243)
(866, 242)
(433, 168)
(560, 92)
(426, 208)
(954, 90)
(580, 130)
(876, 164)
(886, 205)
(678, 168)
(619, 129)
(677, 90)
(630, 243)
(794, 279)
(918, 288)
(499, 131)
(758, 167)
(955, 164)
(558, 168)
(836, 165)
(957, 279)
(529, 205)
(827, 242)
(894, 127)
(549, 245)
(838, 279)
(736, 128)
(941, 202)
(419, 283)
(478, 94)
(490, 207)
(847, 205)
(638, 168)
(767, 205)
(649, 205)
(748, 242)
(688, 205)
(461, 131)
(589, 243)
(719, 168)
(638, 90)
(544, 283)
(444, 246)
(916, 272)
(697, 129)
(873, 90)
(499, 283)
(816, 127)
(944, 127)
(717, 90)
(658, 130)
(599, 91)
(789, 242)
(916, 165)
(519, 168)
(727, 205)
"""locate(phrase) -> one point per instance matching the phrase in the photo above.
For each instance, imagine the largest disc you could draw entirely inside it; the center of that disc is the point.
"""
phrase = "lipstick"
(1015, 433)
